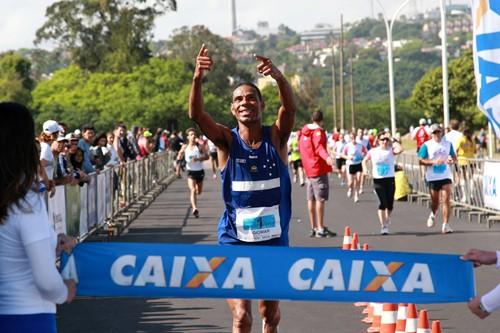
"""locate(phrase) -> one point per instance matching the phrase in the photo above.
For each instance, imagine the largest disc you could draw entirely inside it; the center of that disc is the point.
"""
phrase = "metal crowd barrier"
(469, 182)
(80, 210)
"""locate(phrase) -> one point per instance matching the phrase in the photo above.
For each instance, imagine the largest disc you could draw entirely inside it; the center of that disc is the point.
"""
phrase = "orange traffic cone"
(355, 241)
(411, 319)
(388, 322)
(423, 322)
(377, 318)
(436, 326)
(346, 245)
(369, 313)
(365, 247)
(401, 319)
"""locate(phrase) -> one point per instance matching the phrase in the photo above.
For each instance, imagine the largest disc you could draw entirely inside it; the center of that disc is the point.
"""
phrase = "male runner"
(255, 181)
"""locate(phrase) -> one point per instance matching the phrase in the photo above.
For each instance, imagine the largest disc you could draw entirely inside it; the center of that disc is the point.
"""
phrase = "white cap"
(50, 127)
(422, 121)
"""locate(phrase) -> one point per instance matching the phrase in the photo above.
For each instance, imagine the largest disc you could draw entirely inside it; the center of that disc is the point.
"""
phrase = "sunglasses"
(384, 139)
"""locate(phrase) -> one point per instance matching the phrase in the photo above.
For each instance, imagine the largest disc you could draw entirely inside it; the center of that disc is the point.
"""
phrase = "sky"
(21, 18)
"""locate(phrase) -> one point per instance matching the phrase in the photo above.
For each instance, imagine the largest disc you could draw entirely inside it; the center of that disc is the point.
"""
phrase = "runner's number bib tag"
(383, 169)
(258, 224)
(439, 168)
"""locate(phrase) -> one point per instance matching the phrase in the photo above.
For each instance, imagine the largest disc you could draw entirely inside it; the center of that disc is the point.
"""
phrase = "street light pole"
(334, 89)
(388, 28)
(444, 64)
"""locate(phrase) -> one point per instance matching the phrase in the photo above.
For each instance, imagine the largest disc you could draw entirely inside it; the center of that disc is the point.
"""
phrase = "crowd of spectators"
(69, 157)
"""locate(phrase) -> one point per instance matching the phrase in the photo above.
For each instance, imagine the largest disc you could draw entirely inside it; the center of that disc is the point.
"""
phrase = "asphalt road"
(168, 220)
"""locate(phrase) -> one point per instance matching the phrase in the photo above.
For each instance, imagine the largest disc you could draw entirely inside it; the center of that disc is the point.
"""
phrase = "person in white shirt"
(437, 155)
(353, 154)
(483, 306)
(194, 154)
(382, 158)
(453, 135)
(30, 285)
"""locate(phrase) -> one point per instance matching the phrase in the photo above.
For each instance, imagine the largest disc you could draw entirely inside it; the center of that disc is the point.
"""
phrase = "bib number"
(383, 169)
(439, 168)
(258, 224)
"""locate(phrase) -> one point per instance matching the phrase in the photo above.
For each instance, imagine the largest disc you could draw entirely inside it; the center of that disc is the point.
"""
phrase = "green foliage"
(185, 44)
(103, 35)
(150, 95)
(15, 78)
(428, 93)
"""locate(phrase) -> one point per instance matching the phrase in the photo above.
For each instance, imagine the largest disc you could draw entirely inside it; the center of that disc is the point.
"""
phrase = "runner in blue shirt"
(255, 181)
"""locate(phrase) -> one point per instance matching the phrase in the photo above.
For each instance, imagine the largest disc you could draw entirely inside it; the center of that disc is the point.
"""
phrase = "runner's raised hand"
(203, 62)
(266, 67)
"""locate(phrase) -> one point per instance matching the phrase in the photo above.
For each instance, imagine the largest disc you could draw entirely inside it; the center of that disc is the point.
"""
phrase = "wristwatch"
(482, 308)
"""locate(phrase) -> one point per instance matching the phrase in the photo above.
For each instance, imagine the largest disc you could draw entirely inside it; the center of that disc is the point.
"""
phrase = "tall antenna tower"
(233, 17)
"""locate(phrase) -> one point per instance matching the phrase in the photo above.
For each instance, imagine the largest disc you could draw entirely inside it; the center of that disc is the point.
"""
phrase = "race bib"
(439, 168)
(383, 169)
(258, 224)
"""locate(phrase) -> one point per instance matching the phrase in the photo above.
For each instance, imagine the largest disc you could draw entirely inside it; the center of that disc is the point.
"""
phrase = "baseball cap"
(50, 127)
(147, 134)
(71, 137)
(61, 138)
(422, 121)
(435, 127)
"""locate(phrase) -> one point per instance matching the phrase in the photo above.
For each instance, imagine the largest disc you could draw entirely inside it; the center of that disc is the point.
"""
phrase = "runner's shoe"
(446, 229)
(196, 213)
(356, 197)
(349, 193)
(431, 221)
(325, 233)
(312, 233)
(384, 230)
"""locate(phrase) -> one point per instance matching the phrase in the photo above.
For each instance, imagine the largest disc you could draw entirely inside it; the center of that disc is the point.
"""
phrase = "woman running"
(194, 155)
(353, 154)
(382, 158)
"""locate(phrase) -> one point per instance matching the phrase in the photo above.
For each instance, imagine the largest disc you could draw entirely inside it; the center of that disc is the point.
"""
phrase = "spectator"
(30, 285)
(122, 145)
(88, 133)
(113, 157)
(61, 174)
(483, 306)
(48, 135)
(146, 144)
(100, 153)
(76, 159)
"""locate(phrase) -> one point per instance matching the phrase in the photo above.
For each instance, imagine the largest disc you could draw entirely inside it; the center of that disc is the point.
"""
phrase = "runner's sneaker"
(349, 193)
(342, 183)
(384, 230)
(312, 233)
(431, 221)
(196, 213)
(446, 229)
(356, 197)
(325, 233)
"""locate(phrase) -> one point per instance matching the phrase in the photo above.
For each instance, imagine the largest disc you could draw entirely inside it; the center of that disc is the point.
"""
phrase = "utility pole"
(353, 123)
(233, 17)
(334, 90)
(341, 77)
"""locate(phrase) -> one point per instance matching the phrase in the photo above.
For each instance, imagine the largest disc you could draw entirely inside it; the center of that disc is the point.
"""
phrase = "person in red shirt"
(317, 163)
(421, 133)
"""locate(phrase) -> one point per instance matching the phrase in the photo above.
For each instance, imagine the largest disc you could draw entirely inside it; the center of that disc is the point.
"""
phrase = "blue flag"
(272, 273)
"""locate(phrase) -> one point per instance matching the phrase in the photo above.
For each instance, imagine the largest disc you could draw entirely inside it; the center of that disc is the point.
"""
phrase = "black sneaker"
(325, 233)
(312, 233)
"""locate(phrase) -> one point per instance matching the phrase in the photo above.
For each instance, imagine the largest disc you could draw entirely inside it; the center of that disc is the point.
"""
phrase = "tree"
(428, 93)
(103, 34)
(150, 95)
(185, 44)
(15, 78)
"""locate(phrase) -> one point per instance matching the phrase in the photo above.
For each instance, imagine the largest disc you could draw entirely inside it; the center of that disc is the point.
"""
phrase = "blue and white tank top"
(382, 162)
(256, 190)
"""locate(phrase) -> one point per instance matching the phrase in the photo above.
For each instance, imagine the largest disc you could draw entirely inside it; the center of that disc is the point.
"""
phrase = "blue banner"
(273, 273)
